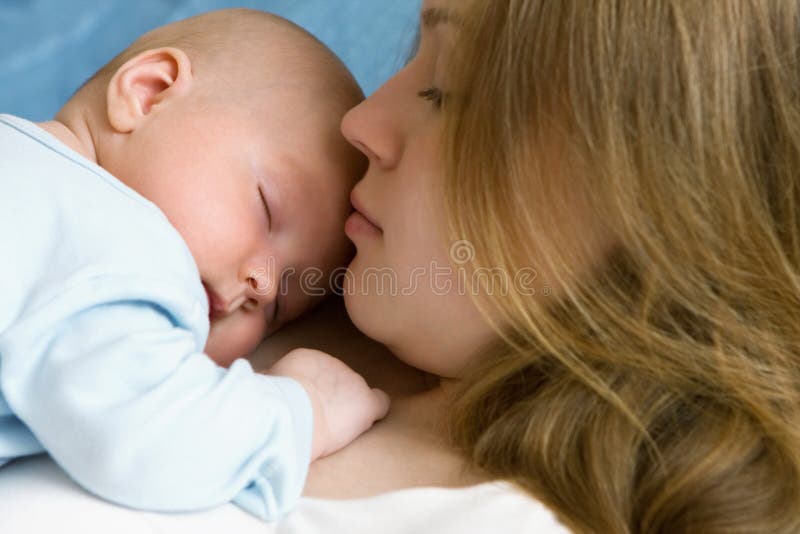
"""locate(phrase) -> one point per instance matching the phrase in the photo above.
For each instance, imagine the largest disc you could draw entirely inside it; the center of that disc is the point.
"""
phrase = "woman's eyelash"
(434, 95)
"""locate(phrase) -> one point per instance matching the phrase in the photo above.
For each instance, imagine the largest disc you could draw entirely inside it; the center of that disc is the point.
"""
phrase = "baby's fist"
(344, 405)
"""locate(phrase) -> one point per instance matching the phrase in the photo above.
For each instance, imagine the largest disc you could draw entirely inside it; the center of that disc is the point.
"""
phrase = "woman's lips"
(360, 222)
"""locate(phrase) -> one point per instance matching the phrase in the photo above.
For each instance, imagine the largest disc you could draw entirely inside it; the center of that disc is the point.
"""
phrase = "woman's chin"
(363, 313)
(373, 318)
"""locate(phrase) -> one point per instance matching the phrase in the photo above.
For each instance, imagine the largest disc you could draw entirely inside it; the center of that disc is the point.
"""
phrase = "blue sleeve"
(124, 402)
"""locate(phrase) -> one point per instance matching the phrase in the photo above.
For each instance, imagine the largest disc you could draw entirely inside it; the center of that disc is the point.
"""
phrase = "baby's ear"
(150, 78)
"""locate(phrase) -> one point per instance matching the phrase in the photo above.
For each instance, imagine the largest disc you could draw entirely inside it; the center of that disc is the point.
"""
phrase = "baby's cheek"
(235, 337)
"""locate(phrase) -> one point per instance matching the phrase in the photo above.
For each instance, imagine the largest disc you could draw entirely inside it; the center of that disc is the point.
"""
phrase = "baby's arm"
(120, 397)
(344, 405)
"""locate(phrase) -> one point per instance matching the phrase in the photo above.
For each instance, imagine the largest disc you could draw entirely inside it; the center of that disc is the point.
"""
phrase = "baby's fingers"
(381, 403)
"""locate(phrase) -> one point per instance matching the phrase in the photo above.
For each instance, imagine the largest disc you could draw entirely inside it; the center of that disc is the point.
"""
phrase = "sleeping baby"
(186, 202)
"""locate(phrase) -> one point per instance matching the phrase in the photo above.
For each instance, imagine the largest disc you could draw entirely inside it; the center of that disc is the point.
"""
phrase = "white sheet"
(37, 497)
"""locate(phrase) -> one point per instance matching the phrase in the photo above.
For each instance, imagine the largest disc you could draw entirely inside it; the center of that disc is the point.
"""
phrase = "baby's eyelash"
(433, 95)
(266, 207)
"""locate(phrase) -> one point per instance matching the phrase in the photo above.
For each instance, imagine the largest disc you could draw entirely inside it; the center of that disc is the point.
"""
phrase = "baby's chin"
(224, 347)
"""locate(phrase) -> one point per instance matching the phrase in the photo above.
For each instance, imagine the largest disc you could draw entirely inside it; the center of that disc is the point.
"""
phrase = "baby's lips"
(217, 306)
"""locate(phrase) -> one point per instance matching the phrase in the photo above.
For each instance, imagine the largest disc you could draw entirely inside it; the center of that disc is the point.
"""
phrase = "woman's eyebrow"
(435, 16)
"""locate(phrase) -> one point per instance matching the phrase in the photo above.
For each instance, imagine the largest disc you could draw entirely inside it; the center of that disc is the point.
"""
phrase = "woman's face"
(403, 288)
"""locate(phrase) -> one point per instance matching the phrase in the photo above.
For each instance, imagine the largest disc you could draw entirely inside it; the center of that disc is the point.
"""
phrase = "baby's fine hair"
(259, 45)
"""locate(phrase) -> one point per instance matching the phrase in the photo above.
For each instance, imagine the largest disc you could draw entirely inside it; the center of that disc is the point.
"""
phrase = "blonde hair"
(660, 390)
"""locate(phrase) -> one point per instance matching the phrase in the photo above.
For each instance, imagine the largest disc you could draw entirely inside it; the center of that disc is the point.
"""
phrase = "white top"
(36, 497)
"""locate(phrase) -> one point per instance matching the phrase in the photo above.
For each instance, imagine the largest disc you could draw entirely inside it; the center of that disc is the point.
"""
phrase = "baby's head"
(229, 122)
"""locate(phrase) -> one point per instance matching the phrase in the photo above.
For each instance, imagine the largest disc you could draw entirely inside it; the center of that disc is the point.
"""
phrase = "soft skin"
(399, 132)
(432, 320)
(250, 169)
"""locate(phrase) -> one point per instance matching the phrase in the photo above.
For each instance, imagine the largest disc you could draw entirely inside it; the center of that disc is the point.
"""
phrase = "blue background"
(48, 48)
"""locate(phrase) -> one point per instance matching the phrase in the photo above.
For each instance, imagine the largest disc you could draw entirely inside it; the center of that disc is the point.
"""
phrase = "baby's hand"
(344, 405)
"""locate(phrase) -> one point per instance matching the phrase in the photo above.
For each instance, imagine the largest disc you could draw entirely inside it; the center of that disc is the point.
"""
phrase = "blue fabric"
(48, 48)
(102, 329)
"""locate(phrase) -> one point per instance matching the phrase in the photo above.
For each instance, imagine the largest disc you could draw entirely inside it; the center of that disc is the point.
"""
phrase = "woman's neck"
(409, 448)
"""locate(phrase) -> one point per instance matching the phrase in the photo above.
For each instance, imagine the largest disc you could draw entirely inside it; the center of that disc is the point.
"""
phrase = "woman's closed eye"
(433, 95)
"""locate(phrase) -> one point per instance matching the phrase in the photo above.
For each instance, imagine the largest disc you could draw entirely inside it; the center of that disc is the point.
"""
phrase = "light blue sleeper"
(103, 320)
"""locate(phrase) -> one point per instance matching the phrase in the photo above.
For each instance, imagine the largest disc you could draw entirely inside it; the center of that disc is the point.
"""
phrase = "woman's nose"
(374, 129)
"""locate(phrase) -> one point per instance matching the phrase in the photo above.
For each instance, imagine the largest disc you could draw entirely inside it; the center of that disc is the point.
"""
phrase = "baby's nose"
(260, 292)
(261, 284)
(260, 277)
